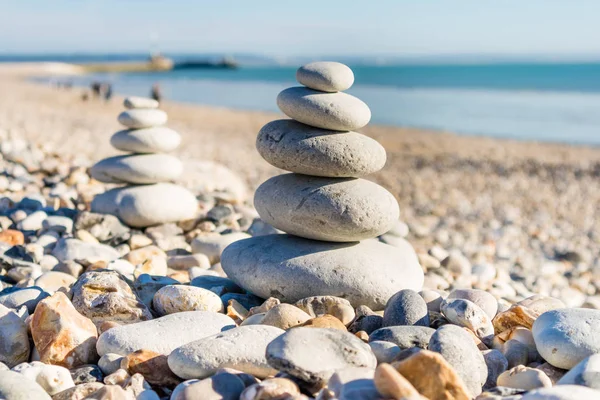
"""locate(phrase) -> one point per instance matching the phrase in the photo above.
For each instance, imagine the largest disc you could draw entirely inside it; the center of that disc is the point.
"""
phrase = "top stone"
(139, 102)
(327, 76)
(142, 118)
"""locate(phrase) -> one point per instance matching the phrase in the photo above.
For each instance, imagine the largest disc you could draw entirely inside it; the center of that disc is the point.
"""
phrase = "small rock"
(385, 352)
(14, 341)
(481, 298)
(404, 336)
(12, 237)
(335, 306)
(406, 308)
(326, 76)
(82, 252)
(152, 366)
(564, 392)
(33, 222)
(271, 389)
(212, 245)
(139, 102)
(585, 373)
(52, 378)
(87, 374)
(18, 387)
(285, 316)
(324, 321)
(469, 315)
(142, 118)
(390, 384)
(52, 281)
(496, 364)
(16, 298)
(521, 377)
(110, 363)
(218, 387)
(176, 298)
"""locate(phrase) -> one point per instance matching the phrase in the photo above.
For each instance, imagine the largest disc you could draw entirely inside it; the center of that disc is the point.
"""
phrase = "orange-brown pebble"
(12, 237)
(391, 385)
(152, 366)
(362, 335)
(325, 321)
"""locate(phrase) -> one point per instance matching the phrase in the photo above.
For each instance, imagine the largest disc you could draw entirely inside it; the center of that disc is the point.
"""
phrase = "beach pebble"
(78, 392)
(303, 149)
(324, 321)
(185, 262)
(481, 298)
(212, 245)
(177, 298)
(132, 102)
(15, 386)
(58, 224)
(433, 299)
(12, 237)
(354, 209)
(142, 118)
(52, 281)
(565, 337)
(335, 111)
(516, 353)
(404, 336)
(353, 382)
(457, 347)
(390, 384)
(468, 315)
(70, 249)
(33, 222)
(585, 373)
(14, 341)
(285, 316)
(62, 336)
(521, 377)
(163, 334)
(385, 352)
(564, 392)
(87, 374)
(326, 76)
(540, 304)
(293, 353)
(52, 378)
(109, 363)
(271, 389)
(147, 205)
(15, 297)
(216, 284)
(241, 348)
(218, 387)
(137, 169)
(331, 305)
(292, 268)
(152, 366)
(105, 296)
(516, 315)
(406, 308)
(496, 364)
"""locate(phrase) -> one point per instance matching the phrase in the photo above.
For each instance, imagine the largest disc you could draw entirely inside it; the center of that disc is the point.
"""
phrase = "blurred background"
(511, 69)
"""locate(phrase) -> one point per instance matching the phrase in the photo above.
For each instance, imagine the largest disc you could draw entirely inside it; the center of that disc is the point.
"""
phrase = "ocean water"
(543, 102)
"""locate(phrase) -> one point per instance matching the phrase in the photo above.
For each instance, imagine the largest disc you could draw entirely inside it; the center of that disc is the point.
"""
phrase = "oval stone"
(327, 76)
(291, 268)
(142, 118)
(150, 140)
(335, 111)
(137, 168)
(586, 373)
(163, 335)
(565, 337)
(300, 148)
(242, 348)
(563, 392)
(147, 205)
(404, 336)
(139, 102)
(329, 209)
(14, 385)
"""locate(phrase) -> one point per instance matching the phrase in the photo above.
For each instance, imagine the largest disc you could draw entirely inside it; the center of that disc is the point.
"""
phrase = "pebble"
(87, 374)
(521, 377)
(565, 337)
(15, 386)
(152, 366)
(147, 205)
(271, 389)
(218, 387)
(62, 336)
(212, 245)
(406, 308)
(324, 321)
(14, 341)
(15, 297)
(241, 348)
(185, 262)
(70, 249)
(293, 353)
(516, 353)
(433, 299)
(303, 149)
(58, 224)
(385, 352)
(481, 298)
(390, 384)
(353, 382)
(285, 316)
(109, 363)
(539, 304)
(354, 209)
(404, 336)
(457, 347)
(467, 314)
(163, 334)
(564, 392)
(78, 392)
(585, 373)
(52, 281)
(326, 76)
(216, 284)
(177, 298)
(33, 222)
(139, 102)
(292, 268)
(496, 364)
(142, 118)
(52, 378)
(335, 111)
(137, 169)
(331, 305)
(12, 237)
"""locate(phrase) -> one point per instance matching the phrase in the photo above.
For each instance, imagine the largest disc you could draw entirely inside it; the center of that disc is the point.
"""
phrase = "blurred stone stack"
(332, 212)
(149, 198)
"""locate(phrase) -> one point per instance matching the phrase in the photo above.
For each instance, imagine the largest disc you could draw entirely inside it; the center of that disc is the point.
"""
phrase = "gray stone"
(150, 140)
(142, 118)
(352, 379)
(58, 223)
(16, 298)
(110, 363)
(459, 349)
(565, 392)
(385, 352)
(241, 348)
(164, 334)
(406, 307)
(15, 386)
(294, 353)
(326, 76)
(14, 341)
(327, 209)
(303, 149)
(433, 299)
(469, 315)
(146, 286)
(104, 227)
(216, 284)
(335, 111)
(139, 102)
(83, 252)
(486, 301)
(586, 373)
(147, 205)
(218, 387)
(291, 268)
(87, 374)
(212, 245)
(565, 337)
(516, 353)
(496, 364)
(404, 336)
(539, 303)
(137, 169)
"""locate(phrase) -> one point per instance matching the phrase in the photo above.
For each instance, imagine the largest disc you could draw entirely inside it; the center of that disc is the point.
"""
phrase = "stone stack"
(332, 213)
(149, 198)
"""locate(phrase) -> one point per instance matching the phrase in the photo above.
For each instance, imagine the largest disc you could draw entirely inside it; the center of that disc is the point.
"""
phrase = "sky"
(562, 28)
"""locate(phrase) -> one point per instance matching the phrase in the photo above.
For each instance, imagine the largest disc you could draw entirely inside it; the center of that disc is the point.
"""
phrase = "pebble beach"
(269, 258)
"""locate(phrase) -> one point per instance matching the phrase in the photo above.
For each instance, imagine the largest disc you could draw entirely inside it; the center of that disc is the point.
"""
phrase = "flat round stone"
(139, 102)
(137, 169)
(330, 209)
(327, 76)
(241, 348)
(335, 111)
(300, 148)
(142, 118)
(149, 140)
(291, 268)
(147, 205)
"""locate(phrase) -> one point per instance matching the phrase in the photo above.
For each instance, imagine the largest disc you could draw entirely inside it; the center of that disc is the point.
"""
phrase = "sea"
(540, 101)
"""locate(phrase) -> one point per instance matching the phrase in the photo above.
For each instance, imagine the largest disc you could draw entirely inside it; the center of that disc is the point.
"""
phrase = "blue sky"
(564, 28)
